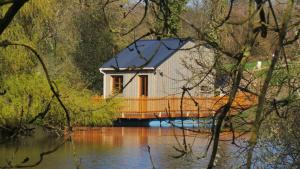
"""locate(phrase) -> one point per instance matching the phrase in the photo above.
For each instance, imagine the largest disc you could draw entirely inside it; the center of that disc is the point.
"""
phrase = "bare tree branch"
(9, 15)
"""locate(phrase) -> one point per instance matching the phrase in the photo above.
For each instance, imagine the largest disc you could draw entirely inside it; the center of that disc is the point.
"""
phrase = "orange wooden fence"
(148, 107)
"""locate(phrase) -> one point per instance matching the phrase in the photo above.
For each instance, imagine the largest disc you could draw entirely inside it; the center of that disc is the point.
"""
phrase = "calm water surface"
(113, 148)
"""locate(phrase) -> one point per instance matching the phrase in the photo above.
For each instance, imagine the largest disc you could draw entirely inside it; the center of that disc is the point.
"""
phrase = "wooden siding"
(172, 74)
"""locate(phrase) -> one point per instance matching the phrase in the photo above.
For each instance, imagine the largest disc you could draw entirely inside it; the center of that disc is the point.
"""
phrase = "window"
(117, 84)
(205, 88)
(143, 87)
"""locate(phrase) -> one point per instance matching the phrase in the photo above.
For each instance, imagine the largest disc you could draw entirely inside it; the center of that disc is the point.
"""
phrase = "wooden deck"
(151, 108)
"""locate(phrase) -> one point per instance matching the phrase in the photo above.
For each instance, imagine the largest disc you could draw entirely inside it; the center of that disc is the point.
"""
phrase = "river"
(116, 148)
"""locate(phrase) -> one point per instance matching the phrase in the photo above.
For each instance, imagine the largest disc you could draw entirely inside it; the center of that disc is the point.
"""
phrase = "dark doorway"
(143, 86)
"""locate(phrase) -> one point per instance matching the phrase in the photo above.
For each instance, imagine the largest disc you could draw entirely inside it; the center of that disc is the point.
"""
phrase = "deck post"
(159, 122)
(193, 123)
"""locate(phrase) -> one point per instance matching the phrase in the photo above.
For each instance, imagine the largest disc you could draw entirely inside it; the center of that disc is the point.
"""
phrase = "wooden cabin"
(158, 68)
(149, 76)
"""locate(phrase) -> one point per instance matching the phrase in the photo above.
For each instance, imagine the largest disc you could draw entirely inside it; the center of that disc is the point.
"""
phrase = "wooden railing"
(147, 107)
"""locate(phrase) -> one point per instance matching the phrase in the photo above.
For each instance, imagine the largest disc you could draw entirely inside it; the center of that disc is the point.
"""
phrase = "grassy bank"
(28, 100)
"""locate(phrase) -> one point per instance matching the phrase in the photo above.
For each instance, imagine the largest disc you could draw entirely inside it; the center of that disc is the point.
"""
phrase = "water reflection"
(128, 136)
(111, 148)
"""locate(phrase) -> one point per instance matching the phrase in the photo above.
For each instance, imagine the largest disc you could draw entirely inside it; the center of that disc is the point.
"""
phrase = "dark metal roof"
(145, 53)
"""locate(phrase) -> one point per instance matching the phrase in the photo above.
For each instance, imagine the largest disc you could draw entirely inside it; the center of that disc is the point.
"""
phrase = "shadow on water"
(178, 123)
(187, 123)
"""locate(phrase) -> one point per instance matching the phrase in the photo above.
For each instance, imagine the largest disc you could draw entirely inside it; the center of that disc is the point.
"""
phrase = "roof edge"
(126, 69)
(185, 40)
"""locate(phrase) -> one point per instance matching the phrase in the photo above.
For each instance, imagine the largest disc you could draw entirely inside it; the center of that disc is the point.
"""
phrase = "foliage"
(279, 143)
(28, 95)
(64, 43)
(168, 20)
(96, 45)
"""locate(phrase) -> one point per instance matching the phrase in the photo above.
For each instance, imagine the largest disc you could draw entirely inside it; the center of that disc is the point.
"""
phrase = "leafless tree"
(236, 38)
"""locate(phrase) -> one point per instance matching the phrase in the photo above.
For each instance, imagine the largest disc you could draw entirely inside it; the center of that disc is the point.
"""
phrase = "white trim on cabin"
(104, 82)
(144, 68)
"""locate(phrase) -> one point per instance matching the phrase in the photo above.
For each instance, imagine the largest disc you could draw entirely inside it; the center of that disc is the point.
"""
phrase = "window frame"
(117, 79)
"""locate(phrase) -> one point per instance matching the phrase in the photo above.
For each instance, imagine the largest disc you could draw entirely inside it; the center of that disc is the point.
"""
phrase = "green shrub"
(29, 94)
